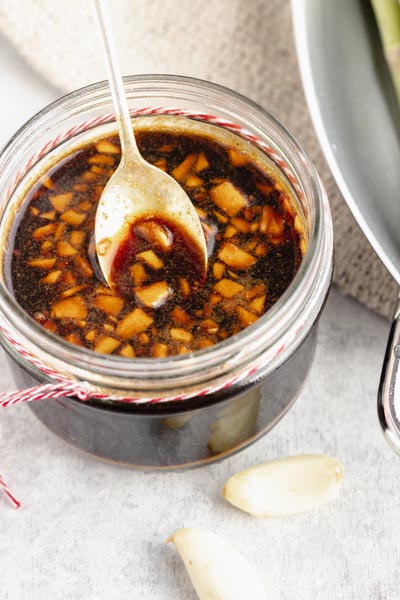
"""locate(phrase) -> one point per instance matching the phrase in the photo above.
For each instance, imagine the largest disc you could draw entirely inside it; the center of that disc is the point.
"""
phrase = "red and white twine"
(137, 112)
(63, 385)
(9, 495)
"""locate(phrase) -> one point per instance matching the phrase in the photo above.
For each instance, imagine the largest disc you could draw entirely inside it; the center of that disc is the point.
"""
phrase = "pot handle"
(389, 386)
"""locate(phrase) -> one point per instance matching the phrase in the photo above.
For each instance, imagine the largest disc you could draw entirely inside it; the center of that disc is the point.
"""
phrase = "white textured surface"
(89, 531)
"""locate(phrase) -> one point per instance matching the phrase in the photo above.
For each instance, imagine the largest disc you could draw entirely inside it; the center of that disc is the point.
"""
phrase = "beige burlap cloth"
(246, 45)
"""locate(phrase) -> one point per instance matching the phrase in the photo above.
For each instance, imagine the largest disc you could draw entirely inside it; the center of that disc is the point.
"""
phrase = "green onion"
(387, 14)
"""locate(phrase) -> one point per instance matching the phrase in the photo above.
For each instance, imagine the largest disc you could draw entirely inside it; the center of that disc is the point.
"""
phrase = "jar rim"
(269, 326)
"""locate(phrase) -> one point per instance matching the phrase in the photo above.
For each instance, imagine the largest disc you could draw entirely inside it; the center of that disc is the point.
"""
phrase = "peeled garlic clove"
(285, 486)
(217, 570)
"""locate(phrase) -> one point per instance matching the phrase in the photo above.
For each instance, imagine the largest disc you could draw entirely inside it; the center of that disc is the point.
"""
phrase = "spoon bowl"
(137, 190)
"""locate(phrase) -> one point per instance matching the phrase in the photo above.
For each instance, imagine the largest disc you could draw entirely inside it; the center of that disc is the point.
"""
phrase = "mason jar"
(183, 410)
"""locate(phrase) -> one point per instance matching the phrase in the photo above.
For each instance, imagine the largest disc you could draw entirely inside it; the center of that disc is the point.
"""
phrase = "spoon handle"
(127, 138)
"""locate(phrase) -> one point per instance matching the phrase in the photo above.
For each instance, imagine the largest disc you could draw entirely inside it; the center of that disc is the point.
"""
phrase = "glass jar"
(188, 409)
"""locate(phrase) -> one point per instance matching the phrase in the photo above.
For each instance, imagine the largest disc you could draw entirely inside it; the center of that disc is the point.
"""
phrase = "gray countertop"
(88, 530)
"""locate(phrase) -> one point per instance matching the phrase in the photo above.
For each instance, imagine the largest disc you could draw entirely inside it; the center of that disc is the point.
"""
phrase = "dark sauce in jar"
(253, 230)
(168, 252)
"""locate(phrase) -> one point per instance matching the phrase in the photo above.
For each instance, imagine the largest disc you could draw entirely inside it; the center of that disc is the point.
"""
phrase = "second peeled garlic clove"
(285, 486)
(217, 570)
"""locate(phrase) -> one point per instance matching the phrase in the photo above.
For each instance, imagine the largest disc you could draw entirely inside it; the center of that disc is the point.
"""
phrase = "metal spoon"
(137, 190)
